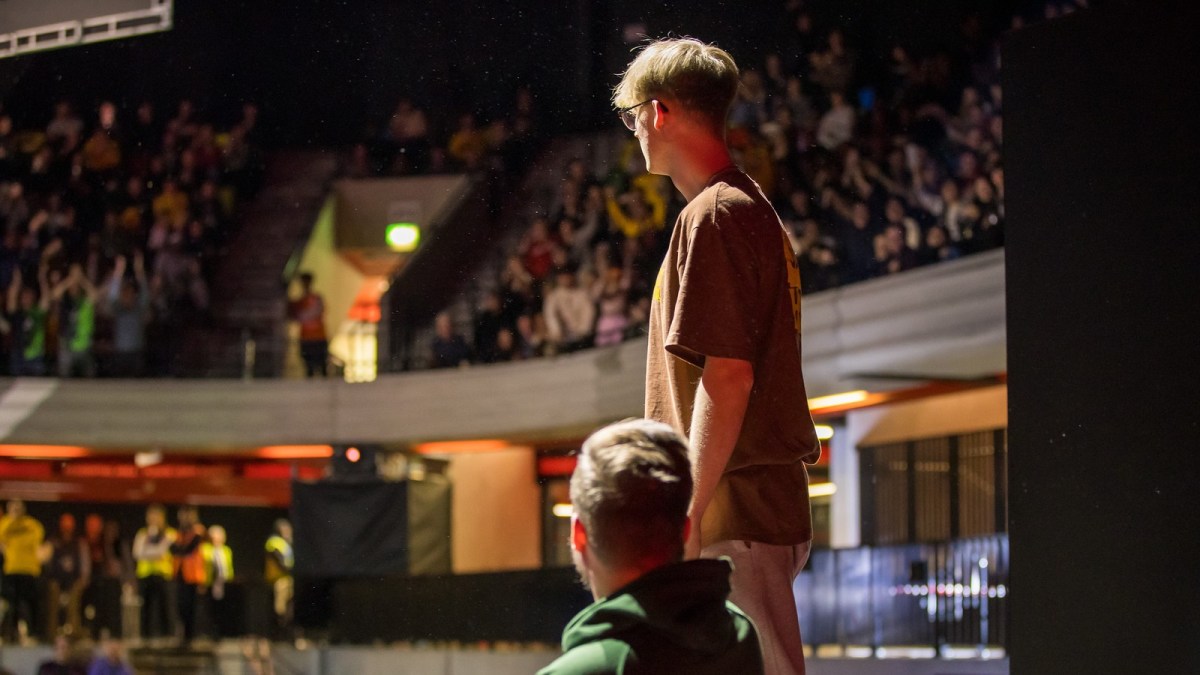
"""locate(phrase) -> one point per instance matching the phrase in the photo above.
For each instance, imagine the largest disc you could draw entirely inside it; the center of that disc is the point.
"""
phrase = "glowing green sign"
(403, 237)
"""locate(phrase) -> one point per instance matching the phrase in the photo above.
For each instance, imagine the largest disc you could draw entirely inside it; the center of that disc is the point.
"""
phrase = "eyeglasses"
(630, 119)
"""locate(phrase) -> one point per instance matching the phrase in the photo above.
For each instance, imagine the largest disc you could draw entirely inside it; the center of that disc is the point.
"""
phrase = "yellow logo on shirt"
(793, 272)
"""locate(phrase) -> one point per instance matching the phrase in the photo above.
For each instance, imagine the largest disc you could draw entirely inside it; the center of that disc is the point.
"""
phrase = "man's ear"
(579, 537)
(660, 114)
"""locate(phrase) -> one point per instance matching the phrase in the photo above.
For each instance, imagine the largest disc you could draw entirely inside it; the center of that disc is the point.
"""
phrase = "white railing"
(155, 18)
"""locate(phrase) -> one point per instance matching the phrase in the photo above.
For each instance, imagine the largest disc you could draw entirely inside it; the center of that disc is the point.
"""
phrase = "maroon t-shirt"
(730, 287)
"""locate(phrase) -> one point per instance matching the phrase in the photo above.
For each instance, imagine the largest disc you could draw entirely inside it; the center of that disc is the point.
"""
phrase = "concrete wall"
(943, 321)
(365, 207)
(336, 280)
(496, 511)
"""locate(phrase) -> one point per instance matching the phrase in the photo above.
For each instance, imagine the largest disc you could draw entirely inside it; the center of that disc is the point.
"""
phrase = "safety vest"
(277, 544)
(161, 566)
(211, 555)
(191, 567)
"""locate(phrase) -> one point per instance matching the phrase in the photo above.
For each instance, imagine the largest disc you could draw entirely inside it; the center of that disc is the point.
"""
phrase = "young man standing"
(724, 351)
(653, 613)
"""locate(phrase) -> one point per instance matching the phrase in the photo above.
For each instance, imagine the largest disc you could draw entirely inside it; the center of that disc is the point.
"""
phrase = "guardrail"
(939, 595)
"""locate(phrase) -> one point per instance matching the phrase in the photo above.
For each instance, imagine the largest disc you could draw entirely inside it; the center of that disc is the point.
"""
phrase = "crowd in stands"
(74, 584)
(871, 176)
(581, 275)
(112, 219)
(409, 142)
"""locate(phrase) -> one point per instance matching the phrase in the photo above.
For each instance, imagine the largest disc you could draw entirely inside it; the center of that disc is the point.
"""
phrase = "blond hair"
(702, 78)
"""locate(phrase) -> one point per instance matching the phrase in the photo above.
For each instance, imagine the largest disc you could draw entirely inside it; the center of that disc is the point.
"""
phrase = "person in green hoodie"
(654, 613)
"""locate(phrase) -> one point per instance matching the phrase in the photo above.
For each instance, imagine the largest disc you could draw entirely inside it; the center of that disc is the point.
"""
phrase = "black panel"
(350, 528)
(528, 606)
(1101, 158)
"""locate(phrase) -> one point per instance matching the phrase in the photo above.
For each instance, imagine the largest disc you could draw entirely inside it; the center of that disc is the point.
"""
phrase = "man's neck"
(697, 159)
(605, 582)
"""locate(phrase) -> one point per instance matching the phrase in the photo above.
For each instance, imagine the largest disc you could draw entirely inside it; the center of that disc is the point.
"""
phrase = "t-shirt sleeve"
(716, 297)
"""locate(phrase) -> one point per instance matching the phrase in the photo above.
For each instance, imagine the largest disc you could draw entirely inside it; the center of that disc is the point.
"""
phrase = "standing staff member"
(190, 573)
(724, 352)
(279, 563)
(218, 561)
(152, 551)
(309, 311)
(21, 539)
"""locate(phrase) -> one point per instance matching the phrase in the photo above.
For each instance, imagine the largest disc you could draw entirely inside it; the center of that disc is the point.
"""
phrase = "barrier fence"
(932, 594)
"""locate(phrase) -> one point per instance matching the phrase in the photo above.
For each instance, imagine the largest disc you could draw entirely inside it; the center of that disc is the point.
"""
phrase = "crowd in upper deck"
(111, 218)
(874, 171)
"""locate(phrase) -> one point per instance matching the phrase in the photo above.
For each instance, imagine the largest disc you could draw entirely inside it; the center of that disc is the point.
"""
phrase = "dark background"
(1102, 156)
(324, 72)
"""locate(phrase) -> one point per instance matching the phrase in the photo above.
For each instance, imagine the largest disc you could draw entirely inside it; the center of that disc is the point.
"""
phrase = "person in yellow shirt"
(218, 563)
(468, 144)
(172, 204)
(155, 565)
(21, 539)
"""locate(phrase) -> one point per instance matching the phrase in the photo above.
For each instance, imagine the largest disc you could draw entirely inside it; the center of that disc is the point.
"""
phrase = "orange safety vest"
(312, 326)
(191, 566)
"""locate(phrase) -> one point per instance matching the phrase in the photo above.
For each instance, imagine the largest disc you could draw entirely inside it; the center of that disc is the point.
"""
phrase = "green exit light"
(403, 237)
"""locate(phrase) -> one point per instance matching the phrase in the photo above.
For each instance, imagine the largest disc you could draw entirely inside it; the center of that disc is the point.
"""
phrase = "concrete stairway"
(249, 292)
(537, 190)
(174, 661)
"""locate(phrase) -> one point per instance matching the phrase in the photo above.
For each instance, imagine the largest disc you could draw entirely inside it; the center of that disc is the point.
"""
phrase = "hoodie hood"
(683, 605)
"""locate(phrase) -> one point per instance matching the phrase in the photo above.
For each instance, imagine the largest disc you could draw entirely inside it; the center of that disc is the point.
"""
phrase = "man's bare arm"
(716, 423)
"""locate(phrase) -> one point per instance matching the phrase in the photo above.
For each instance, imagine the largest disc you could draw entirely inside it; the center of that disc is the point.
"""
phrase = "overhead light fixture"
(824, 432)
(403, 237)
(837, 400)
(821, 490)
(144, 459)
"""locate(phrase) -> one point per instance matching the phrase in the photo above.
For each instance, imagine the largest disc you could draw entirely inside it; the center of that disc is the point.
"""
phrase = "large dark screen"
(350, 529)
(1101, 159)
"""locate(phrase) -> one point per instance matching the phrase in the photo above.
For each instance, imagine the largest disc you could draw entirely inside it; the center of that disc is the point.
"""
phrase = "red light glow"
(452, 447)
(42, 451)
(295, 452)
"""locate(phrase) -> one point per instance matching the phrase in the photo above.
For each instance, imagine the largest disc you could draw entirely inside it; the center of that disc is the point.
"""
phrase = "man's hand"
(716, 424)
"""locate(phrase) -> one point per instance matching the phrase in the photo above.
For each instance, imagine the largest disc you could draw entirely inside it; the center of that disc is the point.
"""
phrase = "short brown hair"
(631, 489)
(702, 78)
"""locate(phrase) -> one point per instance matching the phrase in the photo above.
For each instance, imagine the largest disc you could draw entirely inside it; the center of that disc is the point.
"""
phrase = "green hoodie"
(674, 619)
